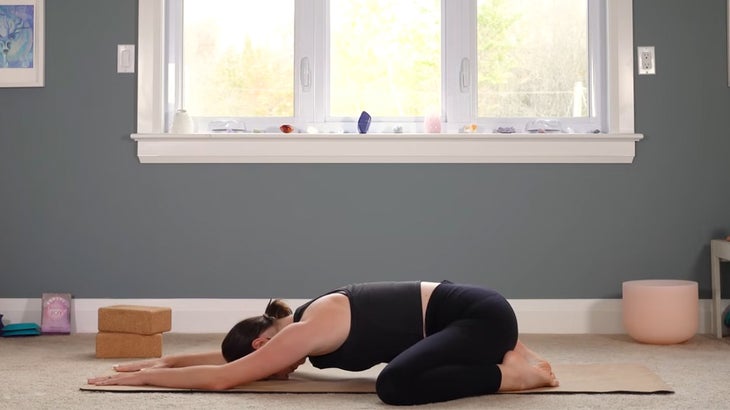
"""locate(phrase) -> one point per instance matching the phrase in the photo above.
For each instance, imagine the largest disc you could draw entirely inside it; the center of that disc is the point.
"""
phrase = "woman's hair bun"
(277, 309)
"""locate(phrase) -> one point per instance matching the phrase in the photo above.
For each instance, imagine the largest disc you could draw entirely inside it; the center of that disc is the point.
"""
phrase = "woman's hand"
(130, 374)
(125, 379)
(158, 363)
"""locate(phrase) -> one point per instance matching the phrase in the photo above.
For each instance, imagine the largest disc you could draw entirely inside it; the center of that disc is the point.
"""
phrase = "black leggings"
(468, 331)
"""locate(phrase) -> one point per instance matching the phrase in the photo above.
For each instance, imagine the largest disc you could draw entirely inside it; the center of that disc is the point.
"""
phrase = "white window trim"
(156, 146)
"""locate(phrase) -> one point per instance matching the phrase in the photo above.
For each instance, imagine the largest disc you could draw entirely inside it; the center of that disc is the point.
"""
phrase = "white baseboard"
(562, 316)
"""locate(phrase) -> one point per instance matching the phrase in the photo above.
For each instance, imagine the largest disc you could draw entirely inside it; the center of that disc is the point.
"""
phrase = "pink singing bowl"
(661, 311)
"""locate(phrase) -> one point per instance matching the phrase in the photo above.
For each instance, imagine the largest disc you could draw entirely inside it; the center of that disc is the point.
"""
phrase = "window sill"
(387, 148)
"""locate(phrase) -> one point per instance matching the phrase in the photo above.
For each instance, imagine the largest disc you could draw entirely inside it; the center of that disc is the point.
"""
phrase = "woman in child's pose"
(442, 341)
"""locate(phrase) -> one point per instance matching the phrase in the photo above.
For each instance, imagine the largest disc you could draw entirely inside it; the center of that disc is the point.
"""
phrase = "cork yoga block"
(128, 345)
(141, 320)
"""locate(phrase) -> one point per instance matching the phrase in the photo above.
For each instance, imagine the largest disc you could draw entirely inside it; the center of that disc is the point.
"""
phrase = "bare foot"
(532, 357)
(519, 374)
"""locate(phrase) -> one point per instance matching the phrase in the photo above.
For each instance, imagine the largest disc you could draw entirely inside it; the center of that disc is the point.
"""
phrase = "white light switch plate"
(125, 58)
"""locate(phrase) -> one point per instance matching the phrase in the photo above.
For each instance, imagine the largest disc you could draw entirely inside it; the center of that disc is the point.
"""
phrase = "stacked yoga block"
(127, 331)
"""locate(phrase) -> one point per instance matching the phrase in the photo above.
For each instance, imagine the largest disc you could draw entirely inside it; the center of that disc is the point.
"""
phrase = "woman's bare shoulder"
(330, 316)
(332, 304)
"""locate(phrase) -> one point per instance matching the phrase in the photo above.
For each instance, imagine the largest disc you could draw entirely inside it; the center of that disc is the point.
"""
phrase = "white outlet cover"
(646, 60)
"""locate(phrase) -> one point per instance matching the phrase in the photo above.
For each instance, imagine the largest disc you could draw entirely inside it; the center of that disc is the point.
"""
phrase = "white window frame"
(156, 146)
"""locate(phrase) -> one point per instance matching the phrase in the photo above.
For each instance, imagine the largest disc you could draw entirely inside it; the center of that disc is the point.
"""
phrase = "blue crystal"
(363, 124)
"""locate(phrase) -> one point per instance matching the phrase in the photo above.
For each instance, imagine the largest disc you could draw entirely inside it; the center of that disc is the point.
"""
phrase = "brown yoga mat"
(574, 378)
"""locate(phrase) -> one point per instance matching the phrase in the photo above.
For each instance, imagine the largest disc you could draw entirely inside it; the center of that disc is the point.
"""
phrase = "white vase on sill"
(182, 123)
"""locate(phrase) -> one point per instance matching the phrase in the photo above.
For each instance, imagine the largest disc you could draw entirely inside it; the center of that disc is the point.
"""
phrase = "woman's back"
(386, 318)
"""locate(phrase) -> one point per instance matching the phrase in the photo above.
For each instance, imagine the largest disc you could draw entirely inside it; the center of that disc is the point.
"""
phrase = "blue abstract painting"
(16, 36)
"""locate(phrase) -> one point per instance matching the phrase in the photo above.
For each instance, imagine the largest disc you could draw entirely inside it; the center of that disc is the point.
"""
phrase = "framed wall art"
(21, 43)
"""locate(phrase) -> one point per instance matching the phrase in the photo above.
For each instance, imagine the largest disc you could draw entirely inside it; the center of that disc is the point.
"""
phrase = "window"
(236, 59)
(533, 58)
(230, 69)
(385, 57)
(318, 63)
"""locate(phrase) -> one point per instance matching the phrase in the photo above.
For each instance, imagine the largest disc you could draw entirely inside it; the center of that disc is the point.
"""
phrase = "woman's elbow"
(218, 385)
(221, 383)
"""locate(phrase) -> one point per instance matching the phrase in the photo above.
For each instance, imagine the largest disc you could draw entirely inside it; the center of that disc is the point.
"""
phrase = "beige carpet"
(46, 372)
(574, 378)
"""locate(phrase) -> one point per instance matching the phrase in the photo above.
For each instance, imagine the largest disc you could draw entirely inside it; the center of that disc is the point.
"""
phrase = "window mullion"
(619, 75)
(150, 67)
(597, 61)
(459, 61)
(321, 46)
(174, 66)
(306, 64)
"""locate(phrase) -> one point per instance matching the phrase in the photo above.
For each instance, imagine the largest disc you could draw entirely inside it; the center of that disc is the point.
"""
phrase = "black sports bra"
(386, 319)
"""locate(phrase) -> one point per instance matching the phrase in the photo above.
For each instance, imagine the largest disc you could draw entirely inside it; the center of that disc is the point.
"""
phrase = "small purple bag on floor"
(56, 316)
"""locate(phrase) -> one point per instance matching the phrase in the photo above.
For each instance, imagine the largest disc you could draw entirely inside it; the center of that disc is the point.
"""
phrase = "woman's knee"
(394, 388)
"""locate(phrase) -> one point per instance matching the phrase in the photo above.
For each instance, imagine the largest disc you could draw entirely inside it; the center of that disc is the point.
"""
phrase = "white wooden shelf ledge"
(386, 148)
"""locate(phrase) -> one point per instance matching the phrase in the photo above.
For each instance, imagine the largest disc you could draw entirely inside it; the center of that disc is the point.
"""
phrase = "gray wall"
(78, 213)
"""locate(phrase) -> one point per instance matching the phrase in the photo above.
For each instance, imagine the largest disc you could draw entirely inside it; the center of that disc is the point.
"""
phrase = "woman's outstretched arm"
(191, 377)
(286, 348)
(323, 329)
(182, 360)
